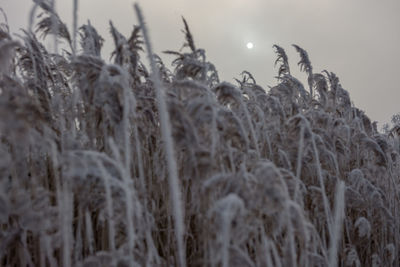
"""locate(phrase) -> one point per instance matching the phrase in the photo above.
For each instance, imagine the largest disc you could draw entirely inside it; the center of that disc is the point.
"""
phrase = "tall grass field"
(130, 162)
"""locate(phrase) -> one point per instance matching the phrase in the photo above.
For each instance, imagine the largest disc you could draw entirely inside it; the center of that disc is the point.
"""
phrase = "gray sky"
(359, 40)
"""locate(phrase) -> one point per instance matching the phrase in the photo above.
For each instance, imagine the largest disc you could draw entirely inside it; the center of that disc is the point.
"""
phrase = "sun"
(249, 45)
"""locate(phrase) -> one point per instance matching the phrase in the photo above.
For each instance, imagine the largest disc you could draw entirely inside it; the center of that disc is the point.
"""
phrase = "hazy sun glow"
(250, 45)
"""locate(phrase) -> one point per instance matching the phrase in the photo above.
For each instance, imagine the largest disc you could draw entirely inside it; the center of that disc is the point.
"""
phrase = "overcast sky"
(359, 40)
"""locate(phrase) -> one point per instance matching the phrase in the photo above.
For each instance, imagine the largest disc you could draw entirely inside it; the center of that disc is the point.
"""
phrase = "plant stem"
(174, 186)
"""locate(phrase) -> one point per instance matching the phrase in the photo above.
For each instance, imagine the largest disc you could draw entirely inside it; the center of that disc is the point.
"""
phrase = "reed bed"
(117, 164)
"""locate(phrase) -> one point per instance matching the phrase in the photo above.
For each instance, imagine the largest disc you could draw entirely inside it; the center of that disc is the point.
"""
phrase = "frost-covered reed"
(114, 164)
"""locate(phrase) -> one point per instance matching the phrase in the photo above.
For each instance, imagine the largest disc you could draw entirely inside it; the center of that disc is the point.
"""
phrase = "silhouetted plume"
(305, 65)
(283, 60)
(188, 37)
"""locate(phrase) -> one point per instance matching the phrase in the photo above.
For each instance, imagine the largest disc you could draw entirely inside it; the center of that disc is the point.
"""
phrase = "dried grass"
(112, 165)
